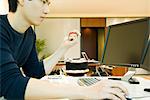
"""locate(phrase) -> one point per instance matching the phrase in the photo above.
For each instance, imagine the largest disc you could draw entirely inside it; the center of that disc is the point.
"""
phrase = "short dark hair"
(13, 5)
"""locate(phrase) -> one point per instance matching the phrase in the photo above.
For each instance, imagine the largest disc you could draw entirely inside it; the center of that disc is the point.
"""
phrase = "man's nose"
(46, 9)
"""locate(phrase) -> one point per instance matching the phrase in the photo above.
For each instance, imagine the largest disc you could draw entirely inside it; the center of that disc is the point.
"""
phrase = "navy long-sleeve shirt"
(17, 50)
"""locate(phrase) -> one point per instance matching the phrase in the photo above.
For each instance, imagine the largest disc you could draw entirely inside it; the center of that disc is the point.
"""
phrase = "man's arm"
(51, 61)
(39, 89)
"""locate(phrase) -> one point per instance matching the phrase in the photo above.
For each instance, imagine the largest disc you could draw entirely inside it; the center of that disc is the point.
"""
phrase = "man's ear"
(21, 2)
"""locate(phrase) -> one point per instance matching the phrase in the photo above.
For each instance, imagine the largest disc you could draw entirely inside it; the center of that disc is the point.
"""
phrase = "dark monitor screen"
(146, 62)
(125, 43)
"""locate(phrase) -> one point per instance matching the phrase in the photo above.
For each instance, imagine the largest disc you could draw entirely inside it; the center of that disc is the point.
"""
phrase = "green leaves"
(40, 45)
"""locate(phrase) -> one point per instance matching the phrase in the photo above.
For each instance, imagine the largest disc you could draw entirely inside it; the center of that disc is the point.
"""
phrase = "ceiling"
(99, 8)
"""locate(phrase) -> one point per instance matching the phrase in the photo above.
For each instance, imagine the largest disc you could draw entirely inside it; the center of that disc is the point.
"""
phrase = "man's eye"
(49, 3)
(44, 2)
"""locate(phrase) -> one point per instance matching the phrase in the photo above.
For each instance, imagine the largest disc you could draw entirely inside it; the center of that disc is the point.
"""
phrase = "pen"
(147, 89)
(114, 78)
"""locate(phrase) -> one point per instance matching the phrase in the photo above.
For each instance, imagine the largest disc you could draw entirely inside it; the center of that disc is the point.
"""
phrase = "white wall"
(3, 7)
(99, 8)
(53, 31)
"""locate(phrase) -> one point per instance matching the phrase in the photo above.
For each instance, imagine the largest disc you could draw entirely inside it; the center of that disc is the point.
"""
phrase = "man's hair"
(13, 5)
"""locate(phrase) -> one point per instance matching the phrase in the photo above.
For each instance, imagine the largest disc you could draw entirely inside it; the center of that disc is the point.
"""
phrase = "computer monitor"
(145, 61)
(125, 43)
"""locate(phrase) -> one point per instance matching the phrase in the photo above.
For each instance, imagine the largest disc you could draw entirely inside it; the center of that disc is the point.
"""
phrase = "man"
(17, 49)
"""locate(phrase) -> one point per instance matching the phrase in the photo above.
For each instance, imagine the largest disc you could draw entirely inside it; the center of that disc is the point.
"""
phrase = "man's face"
(34, 11)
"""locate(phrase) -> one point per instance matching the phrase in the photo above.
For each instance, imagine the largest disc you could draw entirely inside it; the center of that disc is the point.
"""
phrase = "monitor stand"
(128, 77)
(133, 81)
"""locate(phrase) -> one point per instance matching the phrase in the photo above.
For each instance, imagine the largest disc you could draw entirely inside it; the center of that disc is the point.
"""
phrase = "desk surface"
(136, 91)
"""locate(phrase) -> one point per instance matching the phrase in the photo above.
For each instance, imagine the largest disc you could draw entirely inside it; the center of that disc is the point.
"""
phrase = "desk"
(136, 91)
(93, 66)
(61, 64)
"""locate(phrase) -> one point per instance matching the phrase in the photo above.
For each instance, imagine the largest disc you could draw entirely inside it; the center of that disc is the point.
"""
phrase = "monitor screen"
(125, 43)
(145, 61)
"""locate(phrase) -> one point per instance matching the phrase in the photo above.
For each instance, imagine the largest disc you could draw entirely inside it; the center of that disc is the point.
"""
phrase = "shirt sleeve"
(12, 82)
(33, 67)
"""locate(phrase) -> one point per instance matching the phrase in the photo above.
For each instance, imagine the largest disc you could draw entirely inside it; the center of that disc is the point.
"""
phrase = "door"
(89, 40)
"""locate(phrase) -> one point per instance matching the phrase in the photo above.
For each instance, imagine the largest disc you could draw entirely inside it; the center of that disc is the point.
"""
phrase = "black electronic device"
(147, 89)
(76, 66)
(125, 43)
(145, 61)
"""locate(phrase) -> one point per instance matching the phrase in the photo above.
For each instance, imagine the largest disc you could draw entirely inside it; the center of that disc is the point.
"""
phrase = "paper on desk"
(61, 79)
(136, 91)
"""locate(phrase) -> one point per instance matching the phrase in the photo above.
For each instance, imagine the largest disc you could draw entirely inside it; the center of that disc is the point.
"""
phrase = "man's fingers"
(109, 96)
(121, 87)
(118, 93)
(115, 84)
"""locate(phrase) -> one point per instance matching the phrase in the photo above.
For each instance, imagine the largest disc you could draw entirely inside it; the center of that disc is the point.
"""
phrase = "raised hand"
(72, 38)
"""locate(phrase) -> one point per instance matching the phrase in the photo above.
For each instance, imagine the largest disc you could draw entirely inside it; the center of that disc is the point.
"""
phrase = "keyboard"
(87, 81)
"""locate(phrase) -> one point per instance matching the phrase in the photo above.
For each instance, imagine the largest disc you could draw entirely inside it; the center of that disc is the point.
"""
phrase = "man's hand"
(107, 89)
(71, 39)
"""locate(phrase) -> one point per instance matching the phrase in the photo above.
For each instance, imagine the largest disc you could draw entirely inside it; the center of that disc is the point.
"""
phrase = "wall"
(54, 30)
(3, 7)
(99, 8)
(101, 36)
